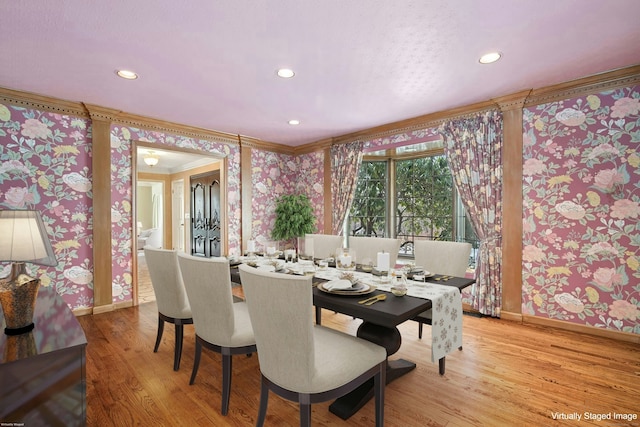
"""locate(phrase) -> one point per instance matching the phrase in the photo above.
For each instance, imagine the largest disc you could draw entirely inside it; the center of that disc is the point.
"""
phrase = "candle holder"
(271, 250)
(345, 259)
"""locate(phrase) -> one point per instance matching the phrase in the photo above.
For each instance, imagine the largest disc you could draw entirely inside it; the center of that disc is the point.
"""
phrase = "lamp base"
(18, 298)
(19, 331)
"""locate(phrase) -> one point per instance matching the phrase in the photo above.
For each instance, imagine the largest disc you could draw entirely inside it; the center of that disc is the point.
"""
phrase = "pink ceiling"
(358, 63)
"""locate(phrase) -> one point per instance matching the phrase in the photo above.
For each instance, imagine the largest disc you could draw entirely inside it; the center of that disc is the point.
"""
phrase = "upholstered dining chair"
(440, 257)
(367, 248)
(300, 361)
(221, 325)
(171, 297)
(324, 245)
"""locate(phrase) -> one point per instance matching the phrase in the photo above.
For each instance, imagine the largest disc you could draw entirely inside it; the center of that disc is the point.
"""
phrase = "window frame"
(390, 157)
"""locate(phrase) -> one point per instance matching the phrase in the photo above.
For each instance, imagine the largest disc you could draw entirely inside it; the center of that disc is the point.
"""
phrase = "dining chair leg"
(419, 330)
(305, 415)
(196, 362)
(379, 382)
(441, 366)
(264, 399)
(226, 382)
(160, 331)
(178, 351)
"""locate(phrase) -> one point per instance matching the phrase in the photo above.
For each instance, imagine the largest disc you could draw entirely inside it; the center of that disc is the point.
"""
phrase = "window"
(368, 211)
(424, 199)
(409, 195)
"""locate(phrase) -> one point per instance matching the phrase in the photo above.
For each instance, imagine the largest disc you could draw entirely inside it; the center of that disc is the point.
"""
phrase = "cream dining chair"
(440, 257)
(300, 361)
(324, 245)
(367, 248)
(221, 325)
(171, 297)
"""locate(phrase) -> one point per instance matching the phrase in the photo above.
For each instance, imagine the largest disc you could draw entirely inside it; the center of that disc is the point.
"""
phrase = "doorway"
(172, 171)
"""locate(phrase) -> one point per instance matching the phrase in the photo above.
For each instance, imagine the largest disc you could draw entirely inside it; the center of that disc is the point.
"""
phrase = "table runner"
(446, 311)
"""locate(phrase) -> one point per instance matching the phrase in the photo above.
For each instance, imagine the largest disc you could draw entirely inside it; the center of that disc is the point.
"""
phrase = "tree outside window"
(424, 200)
(368, 211)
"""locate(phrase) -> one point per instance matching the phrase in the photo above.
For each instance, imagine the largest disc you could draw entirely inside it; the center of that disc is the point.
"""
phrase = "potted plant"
(294, 218)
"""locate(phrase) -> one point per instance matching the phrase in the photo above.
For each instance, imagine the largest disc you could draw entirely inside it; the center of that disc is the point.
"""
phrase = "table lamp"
(23, 238)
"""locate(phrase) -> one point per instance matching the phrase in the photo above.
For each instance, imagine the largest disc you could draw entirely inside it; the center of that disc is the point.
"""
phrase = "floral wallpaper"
(45, 164)
(274, 175)
(121, 196)
(581, 190)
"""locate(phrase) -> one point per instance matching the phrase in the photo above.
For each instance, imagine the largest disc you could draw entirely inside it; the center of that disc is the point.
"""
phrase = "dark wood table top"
(390, 312)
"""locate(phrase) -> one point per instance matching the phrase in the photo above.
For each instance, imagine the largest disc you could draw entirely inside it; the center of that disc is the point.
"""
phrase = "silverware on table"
(374, 299)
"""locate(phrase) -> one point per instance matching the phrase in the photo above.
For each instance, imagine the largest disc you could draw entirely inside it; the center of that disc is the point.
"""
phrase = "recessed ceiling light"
(294, 122)
(286, 73)
(126, 74)
(490, 57)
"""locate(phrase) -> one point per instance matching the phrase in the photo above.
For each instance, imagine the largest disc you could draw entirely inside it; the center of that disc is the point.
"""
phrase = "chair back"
(166, 280)
(441, 257)
(208, 285)
(324, 245)
(367, 248)
(280, 307)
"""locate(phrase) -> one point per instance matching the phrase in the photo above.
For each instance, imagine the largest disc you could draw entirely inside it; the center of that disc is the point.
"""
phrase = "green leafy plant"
(294, 217)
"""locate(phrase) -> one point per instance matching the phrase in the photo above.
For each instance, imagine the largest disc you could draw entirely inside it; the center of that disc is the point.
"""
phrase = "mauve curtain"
(345, 165)
(473, 146)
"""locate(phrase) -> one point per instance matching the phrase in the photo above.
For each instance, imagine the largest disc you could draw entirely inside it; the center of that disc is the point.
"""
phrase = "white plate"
(366, 289)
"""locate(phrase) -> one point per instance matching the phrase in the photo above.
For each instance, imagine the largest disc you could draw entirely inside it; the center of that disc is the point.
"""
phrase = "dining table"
(379, 325)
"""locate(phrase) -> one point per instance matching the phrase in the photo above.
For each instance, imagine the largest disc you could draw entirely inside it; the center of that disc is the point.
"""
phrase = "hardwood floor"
(507, 375)
(145, 290)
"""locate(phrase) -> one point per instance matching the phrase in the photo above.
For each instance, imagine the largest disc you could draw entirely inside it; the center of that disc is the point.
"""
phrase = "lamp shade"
(23, 238)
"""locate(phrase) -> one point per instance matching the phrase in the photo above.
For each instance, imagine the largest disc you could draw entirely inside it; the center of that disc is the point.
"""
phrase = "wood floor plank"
(508, 374)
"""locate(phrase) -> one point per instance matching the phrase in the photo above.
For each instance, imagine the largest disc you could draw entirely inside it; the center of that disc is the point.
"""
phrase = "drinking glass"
(305, 248)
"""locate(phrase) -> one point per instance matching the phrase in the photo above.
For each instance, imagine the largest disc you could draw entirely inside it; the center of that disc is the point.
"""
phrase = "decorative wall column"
(328, 204)
(102, 253)
(511, 107)
(247, 194)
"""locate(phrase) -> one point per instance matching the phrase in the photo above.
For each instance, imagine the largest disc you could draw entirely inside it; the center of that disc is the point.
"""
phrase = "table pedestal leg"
(390, 339)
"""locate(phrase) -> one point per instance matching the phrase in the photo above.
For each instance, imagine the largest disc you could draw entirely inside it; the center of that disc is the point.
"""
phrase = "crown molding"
(417, 123)
(320, 145)
(628, 76)
(41, 102)
(97, 112)
(621, 77)
(515, 101)
(251, 142)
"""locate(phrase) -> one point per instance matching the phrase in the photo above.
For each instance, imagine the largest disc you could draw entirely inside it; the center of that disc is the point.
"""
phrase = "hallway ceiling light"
(151, 159)
(294, 122)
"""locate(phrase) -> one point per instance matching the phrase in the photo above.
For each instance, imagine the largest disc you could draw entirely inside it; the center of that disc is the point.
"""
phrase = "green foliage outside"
(368, 208)
(424, 199)
(294, 217)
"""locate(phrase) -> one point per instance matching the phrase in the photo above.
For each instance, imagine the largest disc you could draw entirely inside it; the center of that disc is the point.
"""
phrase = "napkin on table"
(337, 284)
